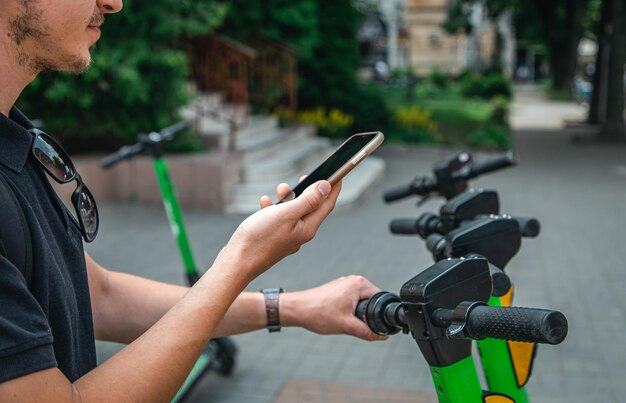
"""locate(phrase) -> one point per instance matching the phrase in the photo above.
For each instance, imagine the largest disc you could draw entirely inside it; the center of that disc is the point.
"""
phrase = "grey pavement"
(576, 266)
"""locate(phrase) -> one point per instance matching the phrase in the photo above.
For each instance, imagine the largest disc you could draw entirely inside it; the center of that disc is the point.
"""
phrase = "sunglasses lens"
(54, 159)
(88, 212)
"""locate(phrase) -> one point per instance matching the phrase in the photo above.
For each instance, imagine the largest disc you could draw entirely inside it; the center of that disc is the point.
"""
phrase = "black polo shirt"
(48, 323)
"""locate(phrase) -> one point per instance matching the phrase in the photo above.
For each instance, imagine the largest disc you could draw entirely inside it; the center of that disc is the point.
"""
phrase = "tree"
(557, 26)
(613, 123)
(328, 75)
(283, 20)
(601, 34)
(562, 29)
(137, 80)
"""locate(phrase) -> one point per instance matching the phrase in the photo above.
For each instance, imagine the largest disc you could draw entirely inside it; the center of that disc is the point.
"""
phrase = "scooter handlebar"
(496, 163)
(398, 193)
(421, 186)
(169, 132)
(530, 227)
(516, 324)
(120, 155)
(404, 226)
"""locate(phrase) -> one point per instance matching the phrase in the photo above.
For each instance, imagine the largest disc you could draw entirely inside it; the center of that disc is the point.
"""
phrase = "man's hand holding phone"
(283, 190)
(347, 156)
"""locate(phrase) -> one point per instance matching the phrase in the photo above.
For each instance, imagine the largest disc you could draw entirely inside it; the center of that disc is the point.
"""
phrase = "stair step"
(281, 139)
(287, 161)
(257, 126)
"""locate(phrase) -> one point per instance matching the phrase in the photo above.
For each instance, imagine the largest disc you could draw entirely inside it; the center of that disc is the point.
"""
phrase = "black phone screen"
(338, 159)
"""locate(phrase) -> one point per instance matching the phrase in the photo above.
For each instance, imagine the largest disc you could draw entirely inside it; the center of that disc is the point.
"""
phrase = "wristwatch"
(271, 308)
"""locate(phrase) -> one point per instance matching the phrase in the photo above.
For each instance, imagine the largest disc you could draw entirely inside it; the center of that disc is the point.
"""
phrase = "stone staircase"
(272, 155)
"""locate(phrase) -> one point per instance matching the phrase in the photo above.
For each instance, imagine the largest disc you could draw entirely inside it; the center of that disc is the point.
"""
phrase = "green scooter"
(219, 354)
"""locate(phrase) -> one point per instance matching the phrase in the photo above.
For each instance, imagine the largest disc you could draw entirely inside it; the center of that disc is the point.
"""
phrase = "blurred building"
(383, 37)
(429, 45)
(399, 33)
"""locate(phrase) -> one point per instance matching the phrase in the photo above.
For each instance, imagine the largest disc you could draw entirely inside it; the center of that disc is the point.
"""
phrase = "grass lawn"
(456, 117)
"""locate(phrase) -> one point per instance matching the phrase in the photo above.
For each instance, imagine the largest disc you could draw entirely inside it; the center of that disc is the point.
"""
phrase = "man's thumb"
(311, 198)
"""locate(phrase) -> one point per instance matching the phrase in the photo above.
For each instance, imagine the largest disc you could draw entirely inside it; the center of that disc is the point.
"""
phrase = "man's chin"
(73, 65)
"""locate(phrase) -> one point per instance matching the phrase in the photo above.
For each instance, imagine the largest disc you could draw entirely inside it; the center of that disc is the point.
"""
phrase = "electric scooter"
(219, 354)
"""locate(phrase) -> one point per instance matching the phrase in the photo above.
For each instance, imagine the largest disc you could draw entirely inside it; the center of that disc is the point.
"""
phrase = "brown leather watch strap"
(271, 308)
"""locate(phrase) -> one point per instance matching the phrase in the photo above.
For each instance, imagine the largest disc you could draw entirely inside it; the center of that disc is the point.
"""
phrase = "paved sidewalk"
(576, 266)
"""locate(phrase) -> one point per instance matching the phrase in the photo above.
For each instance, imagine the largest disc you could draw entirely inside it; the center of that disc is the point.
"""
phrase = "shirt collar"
(15, 140)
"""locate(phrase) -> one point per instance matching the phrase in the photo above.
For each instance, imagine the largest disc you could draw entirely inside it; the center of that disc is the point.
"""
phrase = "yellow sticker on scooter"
(522, 356)
(507, 299)
(496, 398)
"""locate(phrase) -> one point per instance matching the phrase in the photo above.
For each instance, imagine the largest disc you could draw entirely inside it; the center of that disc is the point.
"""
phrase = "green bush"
(495, 134)
(438, 78)
(492, 137)
(367, 105)
(428, 90)
(332, 123)
(486, 86)
(402, 73)
(137, 80)
(473, 86)
(497, 85)
(499, 111)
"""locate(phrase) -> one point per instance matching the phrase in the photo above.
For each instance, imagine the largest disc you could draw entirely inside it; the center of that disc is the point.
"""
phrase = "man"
(47, 325)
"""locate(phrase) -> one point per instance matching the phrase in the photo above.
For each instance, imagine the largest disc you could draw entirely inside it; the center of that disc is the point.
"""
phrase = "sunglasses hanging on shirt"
(56, 162)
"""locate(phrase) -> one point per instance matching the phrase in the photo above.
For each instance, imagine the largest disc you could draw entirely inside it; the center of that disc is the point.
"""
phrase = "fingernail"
(324, 188)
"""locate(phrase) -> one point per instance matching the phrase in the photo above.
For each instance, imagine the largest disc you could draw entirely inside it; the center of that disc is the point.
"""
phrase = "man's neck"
(13, 76)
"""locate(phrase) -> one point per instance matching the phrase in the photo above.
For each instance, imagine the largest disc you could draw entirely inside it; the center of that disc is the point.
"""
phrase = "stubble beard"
(29, 28)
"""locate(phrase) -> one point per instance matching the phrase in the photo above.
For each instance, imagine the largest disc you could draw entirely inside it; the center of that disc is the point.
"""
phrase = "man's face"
(57, 34)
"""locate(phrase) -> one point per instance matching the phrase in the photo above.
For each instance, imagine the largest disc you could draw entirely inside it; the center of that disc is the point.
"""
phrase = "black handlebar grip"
(398, 193)
(501, 283)
(500, 161)
(169, 132)
(121, 154)
(432, 242)
(404, 226)
(529, 226)
(113, 159)
(516, 324)
(359, 312)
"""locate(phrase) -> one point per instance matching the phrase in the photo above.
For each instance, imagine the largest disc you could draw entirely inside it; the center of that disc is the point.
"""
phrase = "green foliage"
(283, 20)
(458, 18)
(495, 133)
(332, 123)
(367, 105)
(497, 85)
(499, 111)
(137, 80)
(486, 86)
(428, 90)
(328, 76)
(414, 119)
(324, 31)
(446, 118)
(491, 137)
(472, 85)
(438, 78)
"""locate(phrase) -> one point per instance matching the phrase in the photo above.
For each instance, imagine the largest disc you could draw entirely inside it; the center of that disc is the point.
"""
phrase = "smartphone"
(343, 160)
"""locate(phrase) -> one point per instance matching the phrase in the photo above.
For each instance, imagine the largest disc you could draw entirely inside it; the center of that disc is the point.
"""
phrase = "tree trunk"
(564, 48)
(613, 127)
(596, 106)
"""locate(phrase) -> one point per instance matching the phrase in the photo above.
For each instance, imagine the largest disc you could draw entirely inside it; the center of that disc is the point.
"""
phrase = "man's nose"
(110, 6)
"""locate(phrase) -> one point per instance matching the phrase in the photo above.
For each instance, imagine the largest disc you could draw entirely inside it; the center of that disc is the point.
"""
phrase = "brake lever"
(423, 200)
